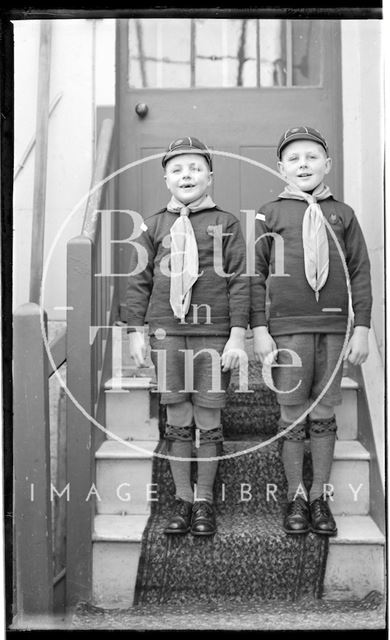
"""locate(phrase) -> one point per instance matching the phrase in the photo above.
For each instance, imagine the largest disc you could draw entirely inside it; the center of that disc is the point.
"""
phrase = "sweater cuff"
(239, 320)
(258, 319)
(133, 322)
(362, 319)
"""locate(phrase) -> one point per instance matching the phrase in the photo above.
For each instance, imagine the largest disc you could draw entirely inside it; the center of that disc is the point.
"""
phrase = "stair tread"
(117, 528)
(352, 529)
(129, 382)
(148, 379)
(344, 449)
(349, 383)
(113, 449)
(357, 530)
(350, 450)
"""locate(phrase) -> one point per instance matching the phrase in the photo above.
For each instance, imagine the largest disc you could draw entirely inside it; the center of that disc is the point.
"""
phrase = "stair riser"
(132, 415)
(353, 570)
(115, 566)
(354, 473)
(111, 474)
(346, 416)
(122, 486)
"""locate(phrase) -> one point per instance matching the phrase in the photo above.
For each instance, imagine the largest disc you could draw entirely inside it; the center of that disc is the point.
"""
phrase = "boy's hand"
(234, 349)
(357, 349)
(263, 345)
(137, 347)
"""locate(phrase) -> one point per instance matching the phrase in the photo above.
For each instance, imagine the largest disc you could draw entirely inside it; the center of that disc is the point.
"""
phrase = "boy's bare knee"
(290, 413)
(180, 414)
(207, 417)
(322, 412)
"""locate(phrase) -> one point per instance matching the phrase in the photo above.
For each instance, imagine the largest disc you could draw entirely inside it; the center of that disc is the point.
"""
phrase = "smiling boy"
(308, 315)
(196, 302)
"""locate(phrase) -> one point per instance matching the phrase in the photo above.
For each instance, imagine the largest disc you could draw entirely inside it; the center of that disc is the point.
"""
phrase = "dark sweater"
(227, 297)
(292, 304)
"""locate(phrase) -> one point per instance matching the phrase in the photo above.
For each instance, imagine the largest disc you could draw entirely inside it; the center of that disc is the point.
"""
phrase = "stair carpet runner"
(250, 556)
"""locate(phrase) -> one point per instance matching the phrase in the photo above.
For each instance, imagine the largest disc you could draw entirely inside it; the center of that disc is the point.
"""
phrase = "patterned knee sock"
(207, 470)
(322, 442)
(292, 457)
(322, 450)
(179, 445)
(181, 469)
(210, 446)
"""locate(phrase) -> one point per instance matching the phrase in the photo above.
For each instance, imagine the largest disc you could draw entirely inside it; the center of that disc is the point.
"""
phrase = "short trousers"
(192, 378)
(319, 354)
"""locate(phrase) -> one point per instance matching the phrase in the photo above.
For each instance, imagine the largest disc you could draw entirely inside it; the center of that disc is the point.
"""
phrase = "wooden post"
(80, 454)
(61, 482)
(40, 170)
(31, 446)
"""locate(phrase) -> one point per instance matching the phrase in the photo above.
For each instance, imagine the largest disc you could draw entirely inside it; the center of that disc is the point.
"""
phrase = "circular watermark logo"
(133, 443)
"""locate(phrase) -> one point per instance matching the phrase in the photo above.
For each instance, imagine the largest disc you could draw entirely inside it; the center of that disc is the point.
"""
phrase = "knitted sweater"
(292, 304)
(217, 302)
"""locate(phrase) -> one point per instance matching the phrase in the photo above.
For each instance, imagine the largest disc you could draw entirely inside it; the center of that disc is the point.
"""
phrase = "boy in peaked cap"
(308, 317)
(197, 304)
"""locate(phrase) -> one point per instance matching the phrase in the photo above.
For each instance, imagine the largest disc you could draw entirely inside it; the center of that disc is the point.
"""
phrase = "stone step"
(355, 565)
(116, 550)
(350, 477)
(356, 559)
(123, 478)
(346, 413)
(132, 408)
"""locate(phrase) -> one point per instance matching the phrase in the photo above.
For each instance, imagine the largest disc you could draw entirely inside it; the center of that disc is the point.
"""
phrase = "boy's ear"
(281, 169)
(211, 175)
(165, 180)
(328, 165)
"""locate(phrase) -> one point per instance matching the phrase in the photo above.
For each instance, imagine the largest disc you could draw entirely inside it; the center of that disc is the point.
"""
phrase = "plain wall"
(82, 71)
(363, 115)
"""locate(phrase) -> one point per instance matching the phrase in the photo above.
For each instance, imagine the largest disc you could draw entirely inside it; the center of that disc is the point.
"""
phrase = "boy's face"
(304, 163)
(187, 176)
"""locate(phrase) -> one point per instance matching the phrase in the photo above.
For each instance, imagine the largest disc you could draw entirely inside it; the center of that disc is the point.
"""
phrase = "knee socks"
(322, 443)
(207, 445)
(179, 439)
(292, 458)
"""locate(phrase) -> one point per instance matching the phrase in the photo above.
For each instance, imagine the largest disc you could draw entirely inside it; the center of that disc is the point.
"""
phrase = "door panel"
(236, 87)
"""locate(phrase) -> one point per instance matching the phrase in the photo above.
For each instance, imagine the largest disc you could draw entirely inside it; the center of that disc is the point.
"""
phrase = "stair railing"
(35, 583)
(90, 304)
(38, 581)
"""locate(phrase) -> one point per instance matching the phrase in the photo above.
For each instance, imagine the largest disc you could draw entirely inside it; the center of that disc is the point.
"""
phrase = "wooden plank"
(58, 351)
(40, 169)
(6, 196)
(20, 165)
(90, 224)
(61, 482)
(31, 442)
(79, 450)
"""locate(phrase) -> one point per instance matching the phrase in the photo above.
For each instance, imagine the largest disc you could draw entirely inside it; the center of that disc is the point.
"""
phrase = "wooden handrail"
(90, 221)
(31, 450)
(87, 301)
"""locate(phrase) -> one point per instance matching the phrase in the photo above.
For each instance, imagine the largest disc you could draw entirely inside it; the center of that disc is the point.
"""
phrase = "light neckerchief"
(314, 236)
(184, 253)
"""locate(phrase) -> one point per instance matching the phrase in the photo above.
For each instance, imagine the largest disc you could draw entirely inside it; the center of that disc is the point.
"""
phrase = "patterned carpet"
(254, 615)
(250, 556)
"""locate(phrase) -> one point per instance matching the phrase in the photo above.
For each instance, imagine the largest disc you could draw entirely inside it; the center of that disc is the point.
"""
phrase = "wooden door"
(236, 84)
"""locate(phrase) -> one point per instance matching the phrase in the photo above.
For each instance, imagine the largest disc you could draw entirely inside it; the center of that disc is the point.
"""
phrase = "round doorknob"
(141, 109)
